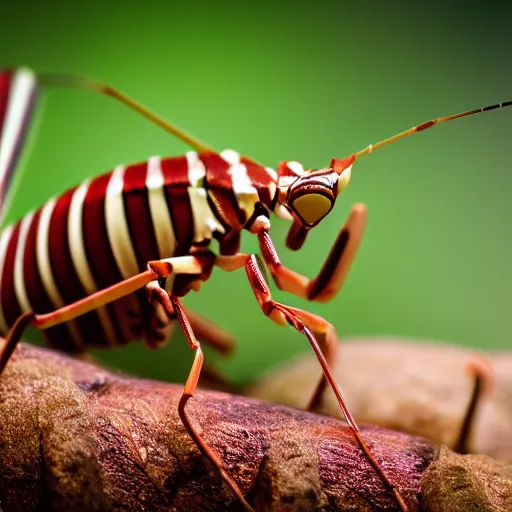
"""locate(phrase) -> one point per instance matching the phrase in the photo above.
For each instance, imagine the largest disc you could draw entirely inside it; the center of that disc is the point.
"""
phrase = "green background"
(303, 82)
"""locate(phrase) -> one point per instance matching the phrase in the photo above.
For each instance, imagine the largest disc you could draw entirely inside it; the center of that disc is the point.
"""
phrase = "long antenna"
(91, 84)
(426, 125)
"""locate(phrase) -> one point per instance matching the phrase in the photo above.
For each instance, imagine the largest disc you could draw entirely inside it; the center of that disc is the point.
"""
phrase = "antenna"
(426, 125)
(91, 84)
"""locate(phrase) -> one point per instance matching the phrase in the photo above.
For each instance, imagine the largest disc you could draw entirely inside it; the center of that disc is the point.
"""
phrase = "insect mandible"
(83, 266)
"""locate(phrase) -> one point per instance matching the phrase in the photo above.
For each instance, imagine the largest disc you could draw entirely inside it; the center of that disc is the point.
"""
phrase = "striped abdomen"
(108, 228)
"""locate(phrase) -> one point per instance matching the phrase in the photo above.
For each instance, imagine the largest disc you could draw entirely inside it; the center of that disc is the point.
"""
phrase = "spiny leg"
(156, 269)
(482, 374)
(305, 323)
(172, 306)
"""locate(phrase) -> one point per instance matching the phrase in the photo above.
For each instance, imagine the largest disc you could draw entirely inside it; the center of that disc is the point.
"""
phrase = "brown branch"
(74, 437)
(414, 386)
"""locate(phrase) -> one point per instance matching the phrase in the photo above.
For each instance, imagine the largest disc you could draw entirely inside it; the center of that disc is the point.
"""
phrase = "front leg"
(310, 324)
(326, 285)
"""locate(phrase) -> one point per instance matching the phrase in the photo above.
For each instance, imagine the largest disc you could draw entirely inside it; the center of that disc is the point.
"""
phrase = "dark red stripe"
(176, 183)
(142, 232)
(175, 171)
(284, 170)
(97, 244)
(66, 278)
(125, 312)
(37, 296)
(36, 292)
(10, 305)
(260, 180)
(138, 215)
(225, 207)
(230, 244)
(221, 197)
(98, 250)
(216, 171)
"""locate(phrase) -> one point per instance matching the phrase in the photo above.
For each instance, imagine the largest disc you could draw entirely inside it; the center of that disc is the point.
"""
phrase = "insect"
(84, 265)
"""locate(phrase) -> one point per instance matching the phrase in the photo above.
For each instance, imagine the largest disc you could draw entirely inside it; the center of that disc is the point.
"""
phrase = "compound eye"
(312, 208)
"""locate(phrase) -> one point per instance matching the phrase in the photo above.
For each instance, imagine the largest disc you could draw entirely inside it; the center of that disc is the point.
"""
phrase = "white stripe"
(160, 215)
(22, 87)
(5, 238)
(241, 182)
(272, 173)
(205, 222)
(43, 255)
(246, 195)
(117, 225)
(45, 269)
(122, 247)
(230, 156)
(19, 259)
(79, 257)
(196, 169)
(76, 239)
(295, 167)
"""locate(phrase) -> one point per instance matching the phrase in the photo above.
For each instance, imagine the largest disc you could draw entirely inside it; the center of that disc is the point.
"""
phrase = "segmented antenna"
(428, 124)
(93, 85)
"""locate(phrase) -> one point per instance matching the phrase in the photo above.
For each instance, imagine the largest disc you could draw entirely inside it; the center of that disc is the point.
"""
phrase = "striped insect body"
(107, 262)
(104, 241)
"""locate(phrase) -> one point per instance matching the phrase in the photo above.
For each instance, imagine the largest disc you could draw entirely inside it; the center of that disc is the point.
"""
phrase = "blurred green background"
(304, 82)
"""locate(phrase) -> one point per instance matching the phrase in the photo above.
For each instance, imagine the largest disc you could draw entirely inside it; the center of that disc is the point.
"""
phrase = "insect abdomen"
(107, 229)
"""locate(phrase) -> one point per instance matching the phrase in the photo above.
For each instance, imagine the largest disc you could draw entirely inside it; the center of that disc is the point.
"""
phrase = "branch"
(410, 385)
(75, 437)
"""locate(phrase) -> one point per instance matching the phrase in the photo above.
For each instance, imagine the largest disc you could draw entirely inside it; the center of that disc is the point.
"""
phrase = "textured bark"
(469, 483)
(414, 386)
(75, 437)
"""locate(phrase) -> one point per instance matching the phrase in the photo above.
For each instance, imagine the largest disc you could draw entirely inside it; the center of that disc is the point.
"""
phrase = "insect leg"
(482, 374)
(325, 334)
(325, 285)
(208, 332)
(307, 324)
(156, 270)
(160, 323)
(328, 282)
(172, 306)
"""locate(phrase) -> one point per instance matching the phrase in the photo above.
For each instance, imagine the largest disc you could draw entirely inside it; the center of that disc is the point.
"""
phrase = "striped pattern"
(108, 228)
(17, 97)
